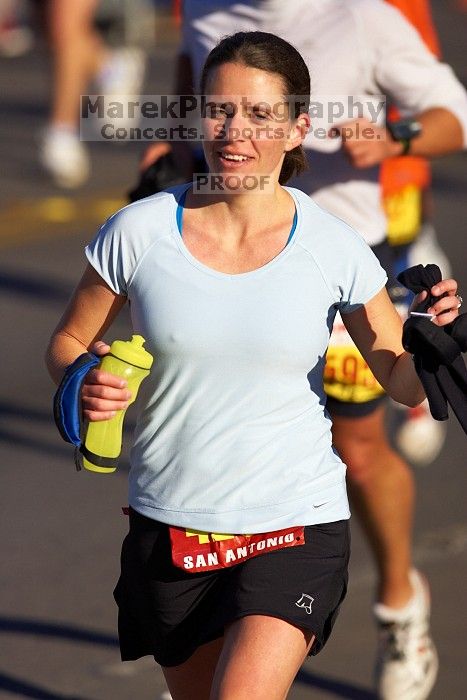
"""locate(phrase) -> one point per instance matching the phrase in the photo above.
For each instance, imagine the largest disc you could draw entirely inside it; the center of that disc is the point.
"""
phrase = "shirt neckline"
(177, 228)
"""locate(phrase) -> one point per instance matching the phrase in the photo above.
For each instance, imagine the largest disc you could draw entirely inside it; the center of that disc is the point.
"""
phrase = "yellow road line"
(50, 217)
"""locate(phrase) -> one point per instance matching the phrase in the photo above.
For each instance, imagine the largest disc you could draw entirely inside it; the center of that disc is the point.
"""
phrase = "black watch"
(404, 131)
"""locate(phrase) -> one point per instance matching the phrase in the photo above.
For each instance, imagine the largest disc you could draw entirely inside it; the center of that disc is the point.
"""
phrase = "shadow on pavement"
(10, 625)
(23, 689)
(338, 689)
(56, 630)
(19, 439)
(9, 410)
(25, 285)
(16, 686)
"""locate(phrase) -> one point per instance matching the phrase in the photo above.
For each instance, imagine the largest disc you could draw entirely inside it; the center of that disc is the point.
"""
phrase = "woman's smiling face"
(246, 127)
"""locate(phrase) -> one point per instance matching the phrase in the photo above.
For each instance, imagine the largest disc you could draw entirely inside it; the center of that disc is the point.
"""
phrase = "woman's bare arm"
(376, 329)
(89, 314)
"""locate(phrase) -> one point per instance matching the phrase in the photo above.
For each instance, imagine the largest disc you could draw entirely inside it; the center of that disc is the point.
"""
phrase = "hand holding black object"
(161, 175)
(437, 350)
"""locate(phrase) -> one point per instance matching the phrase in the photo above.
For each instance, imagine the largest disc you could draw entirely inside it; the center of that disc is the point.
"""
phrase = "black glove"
(437, 350)
(161, 175)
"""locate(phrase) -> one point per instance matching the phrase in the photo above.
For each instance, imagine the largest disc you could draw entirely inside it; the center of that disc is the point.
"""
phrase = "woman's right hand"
(102, 393)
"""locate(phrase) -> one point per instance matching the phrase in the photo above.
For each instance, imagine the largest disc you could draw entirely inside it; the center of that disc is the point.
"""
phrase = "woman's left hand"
(446, 308)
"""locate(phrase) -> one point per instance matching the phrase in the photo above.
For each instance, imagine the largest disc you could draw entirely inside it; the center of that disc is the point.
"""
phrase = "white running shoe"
(420, 438)
(15, 40)
(122, 73)
(64, 157)
(407, 663)
(121, 77)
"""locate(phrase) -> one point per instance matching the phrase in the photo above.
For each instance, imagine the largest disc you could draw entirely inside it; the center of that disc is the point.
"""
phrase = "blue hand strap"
(67, 404)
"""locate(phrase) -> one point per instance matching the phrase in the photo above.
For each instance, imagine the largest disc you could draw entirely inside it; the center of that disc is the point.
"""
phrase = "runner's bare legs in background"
(79, 55)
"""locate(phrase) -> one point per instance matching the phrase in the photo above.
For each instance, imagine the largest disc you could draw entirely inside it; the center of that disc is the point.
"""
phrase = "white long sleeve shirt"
(356, 50)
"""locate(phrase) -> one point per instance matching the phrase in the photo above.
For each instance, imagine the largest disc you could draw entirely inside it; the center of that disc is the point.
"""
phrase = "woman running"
(236, 292)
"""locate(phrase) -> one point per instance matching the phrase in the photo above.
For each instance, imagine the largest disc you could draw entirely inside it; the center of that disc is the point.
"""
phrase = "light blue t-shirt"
(232, 433)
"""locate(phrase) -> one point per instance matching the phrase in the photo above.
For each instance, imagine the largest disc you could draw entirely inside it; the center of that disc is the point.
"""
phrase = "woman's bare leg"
(260, 658)
(192, 680)
(78, 52)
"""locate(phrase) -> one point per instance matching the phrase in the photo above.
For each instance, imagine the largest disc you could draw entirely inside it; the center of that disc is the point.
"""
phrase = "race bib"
(404, 214)
(195, 551)
(347, 376)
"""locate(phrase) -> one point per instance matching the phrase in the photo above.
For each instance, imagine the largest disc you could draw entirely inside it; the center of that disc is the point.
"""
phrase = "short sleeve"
(124, 239)
(361, 275)
(109, 255)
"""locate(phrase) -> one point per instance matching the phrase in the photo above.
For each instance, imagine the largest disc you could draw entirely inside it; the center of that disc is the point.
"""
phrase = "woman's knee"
(192, 680)
(362, 444)
(272, 666)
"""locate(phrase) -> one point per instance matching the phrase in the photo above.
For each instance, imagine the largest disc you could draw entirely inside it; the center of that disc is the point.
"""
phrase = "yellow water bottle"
(103, 442)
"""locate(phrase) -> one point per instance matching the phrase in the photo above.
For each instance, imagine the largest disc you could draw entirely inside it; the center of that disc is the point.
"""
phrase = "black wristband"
(403, 132)
(406, 146)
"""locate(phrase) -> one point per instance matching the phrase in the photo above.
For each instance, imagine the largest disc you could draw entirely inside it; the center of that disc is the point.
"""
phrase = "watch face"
(405, 129)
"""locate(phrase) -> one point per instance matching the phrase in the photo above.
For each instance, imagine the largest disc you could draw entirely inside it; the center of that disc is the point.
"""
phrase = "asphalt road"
(61, 530)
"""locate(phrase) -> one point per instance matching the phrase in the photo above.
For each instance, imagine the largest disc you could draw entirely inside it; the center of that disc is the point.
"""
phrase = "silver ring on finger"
(460, 300)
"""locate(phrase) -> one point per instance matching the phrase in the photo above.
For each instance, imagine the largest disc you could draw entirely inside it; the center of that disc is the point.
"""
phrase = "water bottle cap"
(132, 351)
